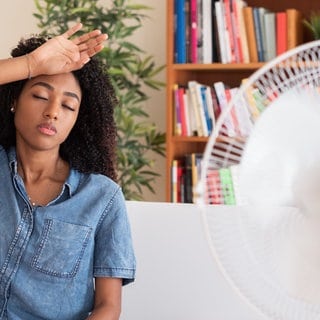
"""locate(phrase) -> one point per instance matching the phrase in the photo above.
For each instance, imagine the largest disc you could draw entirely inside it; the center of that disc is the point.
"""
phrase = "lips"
(47, 129)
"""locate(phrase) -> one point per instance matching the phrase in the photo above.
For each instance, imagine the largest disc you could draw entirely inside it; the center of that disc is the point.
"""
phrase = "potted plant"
(131, 70)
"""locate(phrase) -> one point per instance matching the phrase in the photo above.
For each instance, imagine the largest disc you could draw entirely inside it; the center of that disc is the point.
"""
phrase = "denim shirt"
(50, 254)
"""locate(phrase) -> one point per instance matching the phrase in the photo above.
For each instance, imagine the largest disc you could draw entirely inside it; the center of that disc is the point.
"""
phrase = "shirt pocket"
(60, 248)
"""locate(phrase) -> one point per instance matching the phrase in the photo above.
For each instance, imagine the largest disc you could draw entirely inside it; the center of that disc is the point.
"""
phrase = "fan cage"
(298, 68)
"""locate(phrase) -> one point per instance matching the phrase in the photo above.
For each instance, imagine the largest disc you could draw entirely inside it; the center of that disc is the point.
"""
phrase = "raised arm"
(57, 55)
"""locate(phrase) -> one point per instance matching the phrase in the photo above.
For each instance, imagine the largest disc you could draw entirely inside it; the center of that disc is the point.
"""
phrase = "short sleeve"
(114, 256)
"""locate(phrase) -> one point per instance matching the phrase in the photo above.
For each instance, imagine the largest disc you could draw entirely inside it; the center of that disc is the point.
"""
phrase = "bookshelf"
(232, 74)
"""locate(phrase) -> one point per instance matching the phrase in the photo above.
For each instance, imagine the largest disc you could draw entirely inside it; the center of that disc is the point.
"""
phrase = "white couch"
(177, 279)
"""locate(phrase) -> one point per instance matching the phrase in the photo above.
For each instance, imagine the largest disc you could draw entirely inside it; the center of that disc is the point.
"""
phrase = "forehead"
(65, 82)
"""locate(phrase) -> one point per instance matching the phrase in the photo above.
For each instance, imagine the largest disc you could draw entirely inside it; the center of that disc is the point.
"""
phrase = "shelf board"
(217, 66)
(177, 139)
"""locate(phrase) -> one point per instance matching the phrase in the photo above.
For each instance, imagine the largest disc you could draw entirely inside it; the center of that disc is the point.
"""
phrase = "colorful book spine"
(183, 112)
(242, 31)
(281, 18)
(270, 31)
(227, 186)
(193, 31)
(229, 30)
(174, 181)
(193, 88)
(214, 33)
(213, 191)
(258, 34)
(250, 31)
(188, 191)
(180, 36)
(223, 103)
(221, 32)
(294, 27)
(199, 32)
(236, 30)
(207, 31)
(177, 113)
(205, 106)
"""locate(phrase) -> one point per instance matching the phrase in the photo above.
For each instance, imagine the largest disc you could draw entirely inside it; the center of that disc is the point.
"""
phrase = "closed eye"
(39, 97)
(68, 107)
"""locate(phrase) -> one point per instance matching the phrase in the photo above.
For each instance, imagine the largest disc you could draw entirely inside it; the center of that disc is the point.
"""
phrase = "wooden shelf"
(177, 139)
(231, 74)
(217, 66)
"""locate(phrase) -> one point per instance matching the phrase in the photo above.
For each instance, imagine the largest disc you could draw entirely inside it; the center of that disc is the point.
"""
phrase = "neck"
(35, 165)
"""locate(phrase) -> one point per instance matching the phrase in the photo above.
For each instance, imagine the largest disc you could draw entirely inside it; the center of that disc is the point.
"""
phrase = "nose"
(52, 111)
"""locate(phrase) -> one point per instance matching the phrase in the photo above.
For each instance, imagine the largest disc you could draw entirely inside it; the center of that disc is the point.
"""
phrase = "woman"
(63, 218)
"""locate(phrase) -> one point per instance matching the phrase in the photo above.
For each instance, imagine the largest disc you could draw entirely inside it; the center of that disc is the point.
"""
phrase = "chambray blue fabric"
(49, 255)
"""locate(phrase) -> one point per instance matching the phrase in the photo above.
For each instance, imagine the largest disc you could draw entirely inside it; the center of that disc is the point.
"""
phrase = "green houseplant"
(313, 24)
(131, 71)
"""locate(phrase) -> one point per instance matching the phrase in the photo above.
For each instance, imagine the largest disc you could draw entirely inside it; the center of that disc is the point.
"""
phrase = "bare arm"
(57, 55)
(107, 305)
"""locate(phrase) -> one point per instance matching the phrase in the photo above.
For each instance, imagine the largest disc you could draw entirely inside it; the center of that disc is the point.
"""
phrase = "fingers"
(92, 51)
(91, 43)
(72, 30)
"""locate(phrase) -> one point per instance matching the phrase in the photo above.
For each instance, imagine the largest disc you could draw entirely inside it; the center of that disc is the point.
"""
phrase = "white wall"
(16, 21)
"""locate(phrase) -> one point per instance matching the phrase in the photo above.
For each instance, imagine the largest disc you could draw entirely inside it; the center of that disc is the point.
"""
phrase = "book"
(213, 192)
(180, 34)
(174, 181)
(191, 113)
(180, 182)
(270, 35)
(235, 19)
(242, 113)
(209, 101)
(281, 23)
(208, 125)
(254, 111)
(196, 159)
(229, 30)
(239, 5)
(187, 113)
(250, 32)
(193, 32)
(215, 103)
(183, 112)
(214, 33)
(188, 192)
(207, 31)
(262, 13)
(177, 113)
(294, 28)
(199, 32)
(221, 32)
(187, 31)
(227, 186)
(223, 103)
(258, 34)
(234, 118)
(196, 100)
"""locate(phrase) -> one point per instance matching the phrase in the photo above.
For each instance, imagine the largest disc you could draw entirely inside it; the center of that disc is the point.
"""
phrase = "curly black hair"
(90, 146)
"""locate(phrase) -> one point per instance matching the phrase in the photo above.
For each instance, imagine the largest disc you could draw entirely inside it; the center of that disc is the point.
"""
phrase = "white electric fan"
(268, 244)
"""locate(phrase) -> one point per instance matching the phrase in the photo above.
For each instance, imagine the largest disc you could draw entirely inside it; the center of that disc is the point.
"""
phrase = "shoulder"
(98, 182)
(96, 189)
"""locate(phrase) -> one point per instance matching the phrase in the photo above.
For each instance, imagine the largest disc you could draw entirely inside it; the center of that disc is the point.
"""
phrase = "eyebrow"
(51, 88)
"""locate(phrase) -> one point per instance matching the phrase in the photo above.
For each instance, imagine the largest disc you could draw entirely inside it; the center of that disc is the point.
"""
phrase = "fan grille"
(298, 68)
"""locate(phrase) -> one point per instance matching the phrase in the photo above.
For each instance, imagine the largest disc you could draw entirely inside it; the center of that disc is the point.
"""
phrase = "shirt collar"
(71, 183)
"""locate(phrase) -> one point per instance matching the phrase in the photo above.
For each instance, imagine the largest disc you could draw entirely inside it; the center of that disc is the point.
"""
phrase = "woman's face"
(47, 110)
